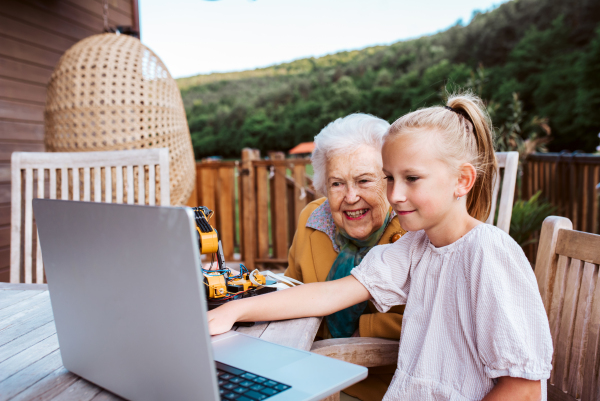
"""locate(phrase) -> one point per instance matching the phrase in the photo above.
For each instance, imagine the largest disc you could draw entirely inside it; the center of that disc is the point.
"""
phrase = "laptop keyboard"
(239, 385)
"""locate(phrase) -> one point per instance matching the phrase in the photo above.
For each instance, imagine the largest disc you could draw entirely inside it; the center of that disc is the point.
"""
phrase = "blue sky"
(199, 37)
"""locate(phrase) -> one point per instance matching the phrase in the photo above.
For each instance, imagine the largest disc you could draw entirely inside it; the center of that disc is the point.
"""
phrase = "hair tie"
(463, 114)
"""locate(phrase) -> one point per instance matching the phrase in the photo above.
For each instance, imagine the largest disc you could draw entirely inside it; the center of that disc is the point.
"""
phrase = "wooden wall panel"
(122, 7)
(17, 110)
(6, 148)
(5, 275)
(4, 215)
(32, 15)
(4, 234)
(5, 261)
(4, 199)
(87, 13)
(33, 36)
(27, 53)
(16, 90)
(21, 71)
(4, 258)
(4, 173)
(116, 16)
(25, 131)
(71, 12)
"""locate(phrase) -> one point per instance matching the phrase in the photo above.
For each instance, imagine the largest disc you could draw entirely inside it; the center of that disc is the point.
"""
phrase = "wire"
(235, 294)
(243, 270)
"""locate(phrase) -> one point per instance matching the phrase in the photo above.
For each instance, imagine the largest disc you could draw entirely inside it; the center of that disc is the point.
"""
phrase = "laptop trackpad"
(250, 353)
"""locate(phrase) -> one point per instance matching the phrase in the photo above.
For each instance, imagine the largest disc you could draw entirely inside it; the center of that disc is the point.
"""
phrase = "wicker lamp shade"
(110, 92)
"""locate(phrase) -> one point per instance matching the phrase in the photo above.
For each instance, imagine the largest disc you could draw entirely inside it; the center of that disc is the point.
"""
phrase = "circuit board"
(223, 286)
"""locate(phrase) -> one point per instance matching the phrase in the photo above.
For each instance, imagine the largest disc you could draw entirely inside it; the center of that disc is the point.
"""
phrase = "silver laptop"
(130, 313)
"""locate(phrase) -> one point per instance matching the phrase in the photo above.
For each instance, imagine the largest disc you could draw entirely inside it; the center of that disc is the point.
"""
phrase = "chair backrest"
(88, 176)
(567, 275)
(509, 161)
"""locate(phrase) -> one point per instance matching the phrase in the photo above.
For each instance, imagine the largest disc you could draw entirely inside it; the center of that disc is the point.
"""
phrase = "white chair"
(509, 161)
(103, 178)
(371, 352)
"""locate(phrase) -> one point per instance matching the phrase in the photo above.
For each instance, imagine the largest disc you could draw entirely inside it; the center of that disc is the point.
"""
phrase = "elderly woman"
(336, 232)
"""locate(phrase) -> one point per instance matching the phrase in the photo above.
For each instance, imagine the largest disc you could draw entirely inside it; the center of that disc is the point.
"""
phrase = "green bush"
(527, 218)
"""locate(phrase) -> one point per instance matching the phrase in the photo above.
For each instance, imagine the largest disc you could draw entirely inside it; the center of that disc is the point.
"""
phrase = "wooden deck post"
(208, 176)
(248, 212)
(300, 180)
(226, 201)
(199, 199)
(262, 211)
(279, 221)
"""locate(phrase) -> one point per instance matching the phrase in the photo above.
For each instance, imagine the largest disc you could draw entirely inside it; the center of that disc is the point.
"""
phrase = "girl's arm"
(514, 388)
(315, 299)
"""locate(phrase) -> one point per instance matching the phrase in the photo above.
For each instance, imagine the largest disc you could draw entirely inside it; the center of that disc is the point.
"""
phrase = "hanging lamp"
(110, 92)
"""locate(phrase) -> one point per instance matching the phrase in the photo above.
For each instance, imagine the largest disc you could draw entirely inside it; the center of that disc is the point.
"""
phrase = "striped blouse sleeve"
(385, 273)
(512, 330)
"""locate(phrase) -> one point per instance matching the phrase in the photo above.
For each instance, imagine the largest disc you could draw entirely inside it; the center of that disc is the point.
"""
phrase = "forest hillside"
(535, 62)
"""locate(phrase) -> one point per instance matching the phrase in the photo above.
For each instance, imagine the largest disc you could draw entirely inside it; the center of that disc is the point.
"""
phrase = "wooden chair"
(567, 276)
(101, 174)
(371, 352)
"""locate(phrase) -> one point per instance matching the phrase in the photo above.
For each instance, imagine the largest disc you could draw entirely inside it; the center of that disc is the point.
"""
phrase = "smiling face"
(356, 191)
(421, 188)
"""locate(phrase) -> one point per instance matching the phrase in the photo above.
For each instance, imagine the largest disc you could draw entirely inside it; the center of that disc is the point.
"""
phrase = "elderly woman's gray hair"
(345, 135)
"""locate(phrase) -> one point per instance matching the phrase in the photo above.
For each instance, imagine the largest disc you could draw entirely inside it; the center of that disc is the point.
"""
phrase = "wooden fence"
(568, 181)
(256, 202)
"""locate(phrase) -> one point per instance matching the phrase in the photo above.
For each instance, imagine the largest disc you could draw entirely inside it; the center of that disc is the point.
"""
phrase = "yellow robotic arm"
(209, 240)
(221, 285)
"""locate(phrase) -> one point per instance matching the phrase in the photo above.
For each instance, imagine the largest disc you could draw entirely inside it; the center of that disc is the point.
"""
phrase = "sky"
(199, 37)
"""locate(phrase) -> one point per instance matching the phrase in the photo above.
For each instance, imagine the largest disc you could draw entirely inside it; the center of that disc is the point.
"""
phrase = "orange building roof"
(304, 147)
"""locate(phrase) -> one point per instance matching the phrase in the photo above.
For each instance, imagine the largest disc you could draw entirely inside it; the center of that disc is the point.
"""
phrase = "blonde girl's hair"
(466, 135)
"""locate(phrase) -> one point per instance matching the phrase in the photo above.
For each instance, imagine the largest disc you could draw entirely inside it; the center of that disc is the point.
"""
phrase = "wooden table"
(30, 362)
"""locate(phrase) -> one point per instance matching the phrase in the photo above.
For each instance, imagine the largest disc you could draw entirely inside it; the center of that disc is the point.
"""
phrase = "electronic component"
(221, 284)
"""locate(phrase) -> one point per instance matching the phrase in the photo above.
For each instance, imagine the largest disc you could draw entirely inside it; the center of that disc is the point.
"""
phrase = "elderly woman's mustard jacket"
(310, 259)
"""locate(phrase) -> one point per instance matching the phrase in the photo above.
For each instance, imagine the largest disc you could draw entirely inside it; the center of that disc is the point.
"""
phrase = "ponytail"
(479, 200)
(467, 136)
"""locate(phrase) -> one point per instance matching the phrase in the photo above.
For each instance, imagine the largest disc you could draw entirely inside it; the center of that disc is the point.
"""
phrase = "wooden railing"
(568, 181)
(257, 204)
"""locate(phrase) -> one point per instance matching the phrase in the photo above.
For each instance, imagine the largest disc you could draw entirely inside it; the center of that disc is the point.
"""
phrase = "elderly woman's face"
(356, 191)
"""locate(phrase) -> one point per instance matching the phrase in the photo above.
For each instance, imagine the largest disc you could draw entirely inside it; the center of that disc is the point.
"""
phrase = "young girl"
(474, 326)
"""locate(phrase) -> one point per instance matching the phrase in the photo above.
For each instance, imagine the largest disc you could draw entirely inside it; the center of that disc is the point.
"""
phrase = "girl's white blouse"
(473, 313)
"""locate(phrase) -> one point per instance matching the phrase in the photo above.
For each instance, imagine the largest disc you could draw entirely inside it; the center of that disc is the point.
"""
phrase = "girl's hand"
(221, 319)
(314, 299)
